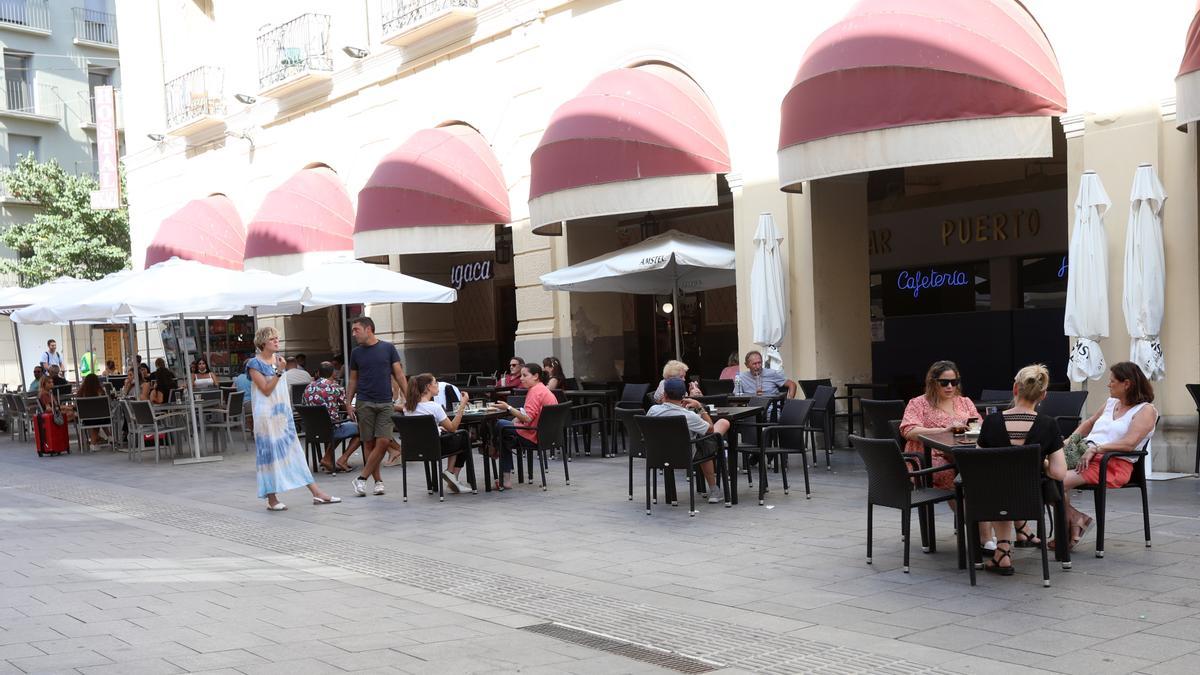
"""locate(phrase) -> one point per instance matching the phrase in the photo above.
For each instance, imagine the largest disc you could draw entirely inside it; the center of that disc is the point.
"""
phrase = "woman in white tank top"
(1122, 425)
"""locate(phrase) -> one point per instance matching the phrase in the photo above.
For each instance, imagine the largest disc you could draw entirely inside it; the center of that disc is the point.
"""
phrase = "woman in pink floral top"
(941, 408)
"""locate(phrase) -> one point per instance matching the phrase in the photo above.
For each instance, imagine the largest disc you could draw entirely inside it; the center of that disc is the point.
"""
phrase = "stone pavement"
(116, 566)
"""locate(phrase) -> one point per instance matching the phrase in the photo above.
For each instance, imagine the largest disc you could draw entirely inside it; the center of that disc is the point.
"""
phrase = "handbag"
(1073, 449)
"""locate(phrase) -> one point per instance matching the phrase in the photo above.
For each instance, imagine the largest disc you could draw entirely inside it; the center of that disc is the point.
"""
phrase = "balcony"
(407, 21)
(294, 55)
(195, 101)
(87, 112)
(25, 16)
(37, 103)
(95, 29)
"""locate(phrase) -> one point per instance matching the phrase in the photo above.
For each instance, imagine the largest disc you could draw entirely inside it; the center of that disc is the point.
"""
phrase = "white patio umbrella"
(346, 281)
(16, 298)
(666, 263)
(1145, 272)
(1086, 315)
(768, 290)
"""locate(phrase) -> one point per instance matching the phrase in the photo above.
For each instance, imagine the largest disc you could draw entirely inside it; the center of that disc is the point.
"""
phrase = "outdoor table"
(483, 419)
(201, 405)
(477, 392)
(851, 397)
(733, 414)
(606, 398)
(948, 442)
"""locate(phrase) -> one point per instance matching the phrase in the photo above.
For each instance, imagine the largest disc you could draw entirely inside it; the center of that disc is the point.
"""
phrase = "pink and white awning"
(305, 221)
(442, 191)
(1187, 83)
(908, 82)
(635, 139)
(207, 230)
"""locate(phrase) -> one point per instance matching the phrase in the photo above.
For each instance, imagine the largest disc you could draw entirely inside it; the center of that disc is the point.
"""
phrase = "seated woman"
(555, 377)
(674, 369)
(733, 366)
(91, 387)
(1126, 420)
(421, 391)
(1019, 425)
(202, 377)
(162, 382)
(144, 384)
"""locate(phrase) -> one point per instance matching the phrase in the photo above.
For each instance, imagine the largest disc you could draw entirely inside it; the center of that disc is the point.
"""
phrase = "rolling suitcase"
(50, 438)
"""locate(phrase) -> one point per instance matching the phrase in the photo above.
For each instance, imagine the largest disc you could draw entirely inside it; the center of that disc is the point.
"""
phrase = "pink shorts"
(1117, 475)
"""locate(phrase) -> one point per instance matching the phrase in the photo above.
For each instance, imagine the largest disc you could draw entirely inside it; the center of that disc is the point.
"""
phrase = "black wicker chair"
(890, 484)
(318, 431)
(788, 437)
(716, 387)
(1000, 484)
(551, 433)
(1065, 407)
(822, 416)
(1137, 480)
(1194, 390)
(669, 446)
(421, 441)
(878, 414)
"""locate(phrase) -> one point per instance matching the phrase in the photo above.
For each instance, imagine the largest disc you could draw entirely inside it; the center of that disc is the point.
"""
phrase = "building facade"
(924, 215)
(55, 55)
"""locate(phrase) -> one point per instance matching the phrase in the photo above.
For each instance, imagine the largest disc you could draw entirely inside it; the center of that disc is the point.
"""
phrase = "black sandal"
(993, 565)
(1026, 538)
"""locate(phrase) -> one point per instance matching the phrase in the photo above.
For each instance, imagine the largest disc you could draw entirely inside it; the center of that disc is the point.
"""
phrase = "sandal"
(1026, 538)
(328, 468)
(994, 566)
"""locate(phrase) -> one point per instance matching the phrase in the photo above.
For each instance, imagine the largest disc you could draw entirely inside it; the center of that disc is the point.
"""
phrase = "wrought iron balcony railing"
(402, 15)
(195, 95)
(298, 46)
(95, 27)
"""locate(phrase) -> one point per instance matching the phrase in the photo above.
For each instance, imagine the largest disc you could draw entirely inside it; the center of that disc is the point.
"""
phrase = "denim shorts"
(345, 430)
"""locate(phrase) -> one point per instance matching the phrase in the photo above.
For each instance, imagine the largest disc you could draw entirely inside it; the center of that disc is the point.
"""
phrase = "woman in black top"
(1021, 425)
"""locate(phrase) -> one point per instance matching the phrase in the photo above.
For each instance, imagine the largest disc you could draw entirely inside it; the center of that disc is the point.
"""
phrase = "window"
(97, 77)
(19, 95)
(1044, 281)
(19, 146)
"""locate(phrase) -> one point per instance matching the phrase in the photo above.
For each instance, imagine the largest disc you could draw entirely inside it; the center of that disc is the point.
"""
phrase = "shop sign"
(463, 274)
(916, 281)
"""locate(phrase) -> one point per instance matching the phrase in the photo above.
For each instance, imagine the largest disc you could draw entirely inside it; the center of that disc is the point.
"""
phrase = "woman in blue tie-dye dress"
(280, 457)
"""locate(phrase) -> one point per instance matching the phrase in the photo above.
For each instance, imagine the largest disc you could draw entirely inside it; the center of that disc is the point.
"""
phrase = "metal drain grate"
(658, 657)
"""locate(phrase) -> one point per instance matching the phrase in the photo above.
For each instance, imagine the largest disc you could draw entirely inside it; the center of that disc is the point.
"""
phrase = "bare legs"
(378, 447)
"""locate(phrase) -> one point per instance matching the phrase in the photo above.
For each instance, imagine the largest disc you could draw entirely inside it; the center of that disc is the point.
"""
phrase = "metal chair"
(669, 446)
(1137, 480)
(143, 422)
(1000, 484)
(890, 484)
(94, 412)
(877, 414)
(421, 442)
(232, 416)
(1065, 407)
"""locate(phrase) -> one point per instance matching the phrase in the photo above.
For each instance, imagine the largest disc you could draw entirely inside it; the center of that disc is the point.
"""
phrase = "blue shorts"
(344, 430)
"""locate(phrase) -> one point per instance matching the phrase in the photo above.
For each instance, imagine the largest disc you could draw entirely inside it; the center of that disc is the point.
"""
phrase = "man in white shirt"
(699, 424)
(295, 374)
(51, 357)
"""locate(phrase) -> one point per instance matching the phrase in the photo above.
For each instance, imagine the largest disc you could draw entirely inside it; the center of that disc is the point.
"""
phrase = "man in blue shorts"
(374, 368)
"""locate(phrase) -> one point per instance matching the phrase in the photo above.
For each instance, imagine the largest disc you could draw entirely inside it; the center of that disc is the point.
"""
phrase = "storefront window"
(1044, 281)
(935, 289)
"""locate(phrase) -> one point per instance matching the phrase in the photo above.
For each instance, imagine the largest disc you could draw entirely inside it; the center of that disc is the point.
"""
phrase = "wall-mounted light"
(245, 98)
(157, 138)
(355, 52)
(242, 135)
(667, 308)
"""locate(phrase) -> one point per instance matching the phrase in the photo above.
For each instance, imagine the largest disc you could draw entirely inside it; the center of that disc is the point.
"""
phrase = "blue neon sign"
(919, 280)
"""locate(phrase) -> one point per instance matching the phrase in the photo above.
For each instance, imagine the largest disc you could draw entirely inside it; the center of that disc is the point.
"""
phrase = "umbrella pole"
(345, 341)
(20, 362)
(193, 420)
(675, 320)
(135, 372)
(74, 351)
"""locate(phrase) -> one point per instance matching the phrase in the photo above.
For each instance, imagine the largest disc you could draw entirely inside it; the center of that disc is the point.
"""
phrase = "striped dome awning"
(1187, 82)
(636, 139)
(908, 82)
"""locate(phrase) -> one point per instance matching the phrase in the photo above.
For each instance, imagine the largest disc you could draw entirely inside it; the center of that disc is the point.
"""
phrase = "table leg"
(732, 462)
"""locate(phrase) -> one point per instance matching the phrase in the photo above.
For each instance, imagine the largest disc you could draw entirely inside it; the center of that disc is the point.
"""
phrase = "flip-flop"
(331, 500)
(278, 506)
(393, 461)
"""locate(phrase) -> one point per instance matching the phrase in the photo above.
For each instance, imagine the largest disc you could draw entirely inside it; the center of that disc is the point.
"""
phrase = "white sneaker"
(379, 488)
(714, 495)
(360, 487)
(463, 486)
(451, 481)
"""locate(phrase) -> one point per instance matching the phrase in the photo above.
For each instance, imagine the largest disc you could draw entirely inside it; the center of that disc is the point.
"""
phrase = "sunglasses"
(948, 383)
(513, 365)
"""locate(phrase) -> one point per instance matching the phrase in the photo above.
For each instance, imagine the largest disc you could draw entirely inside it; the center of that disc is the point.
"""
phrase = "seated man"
(38, 372)
(327, 392)
(295, 374)
(759, 381)
(538, 396)
(699, 424)
(56, 378)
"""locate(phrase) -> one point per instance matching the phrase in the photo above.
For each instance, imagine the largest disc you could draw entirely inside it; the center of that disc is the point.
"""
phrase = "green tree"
(66, 236)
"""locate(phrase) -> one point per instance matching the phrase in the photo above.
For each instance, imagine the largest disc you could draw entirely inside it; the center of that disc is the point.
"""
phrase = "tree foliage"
(66, 236)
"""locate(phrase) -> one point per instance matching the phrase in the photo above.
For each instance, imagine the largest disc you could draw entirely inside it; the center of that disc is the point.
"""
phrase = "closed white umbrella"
(1086, 316)
(666, 263)
(768, 290)
(1145, 272)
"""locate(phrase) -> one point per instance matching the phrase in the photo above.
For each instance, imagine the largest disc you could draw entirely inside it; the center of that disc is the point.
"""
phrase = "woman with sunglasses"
(941, 408)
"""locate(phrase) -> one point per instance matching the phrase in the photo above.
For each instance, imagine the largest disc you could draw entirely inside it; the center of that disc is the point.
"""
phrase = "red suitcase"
(50, 438)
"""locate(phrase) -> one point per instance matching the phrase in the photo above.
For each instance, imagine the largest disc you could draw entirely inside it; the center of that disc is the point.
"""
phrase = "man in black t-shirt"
(374, 367)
